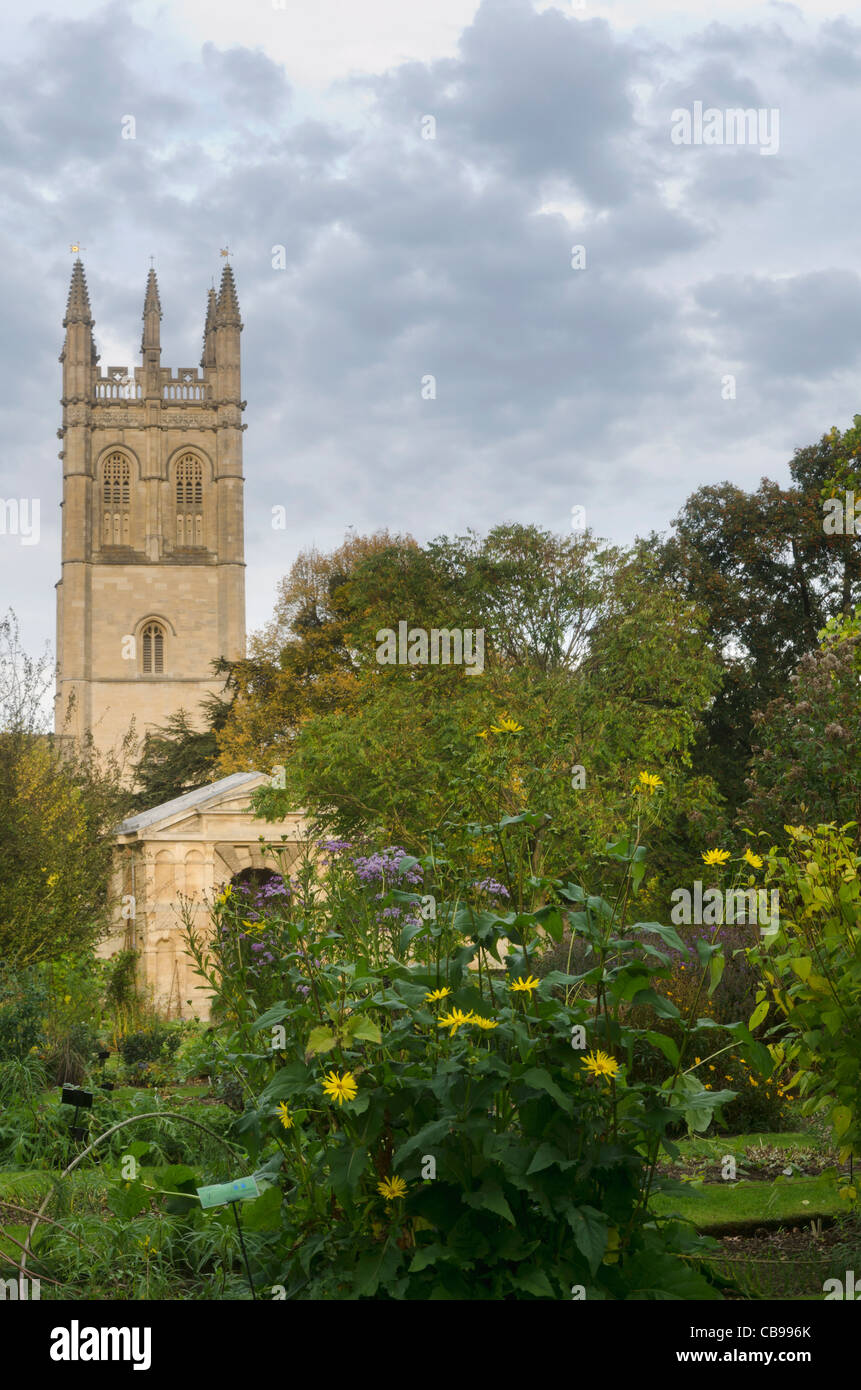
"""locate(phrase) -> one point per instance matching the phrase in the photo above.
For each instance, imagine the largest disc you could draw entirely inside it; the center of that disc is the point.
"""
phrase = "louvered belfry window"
(189, 501)
(116, 501)
(153, 649)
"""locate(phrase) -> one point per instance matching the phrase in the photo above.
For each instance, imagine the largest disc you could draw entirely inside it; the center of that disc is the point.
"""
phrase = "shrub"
(23, 1002)
(150, 1044)
(446, 1132)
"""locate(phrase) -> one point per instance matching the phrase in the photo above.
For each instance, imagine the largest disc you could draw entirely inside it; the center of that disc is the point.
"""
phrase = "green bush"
(150, 1044)
(23, 1002)
(435, 1127)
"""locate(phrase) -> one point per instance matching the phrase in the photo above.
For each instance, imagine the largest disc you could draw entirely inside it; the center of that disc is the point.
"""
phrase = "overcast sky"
(406, 257)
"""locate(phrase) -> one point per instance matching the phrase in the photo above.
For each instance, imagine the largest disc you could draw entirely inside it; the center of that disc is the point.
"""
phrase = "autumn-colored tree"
(304, 661)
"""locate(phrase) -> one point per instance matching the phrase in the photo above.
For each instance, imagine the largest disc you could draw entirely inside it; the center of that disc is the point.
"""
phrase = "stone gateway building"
(152, 591)
(180, 855)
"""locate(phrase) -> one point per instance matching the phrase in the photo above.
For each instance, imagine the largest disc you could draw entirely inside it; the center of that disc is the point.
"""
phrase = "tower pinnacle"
(228, 303)
(78, 304)
(151, 316)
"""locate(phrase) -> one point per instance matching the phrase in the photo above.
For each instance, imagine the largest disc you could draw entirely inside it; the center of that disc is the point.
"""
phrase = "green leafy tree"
(586, 649)
(179, 756)
(769, 577)
(60, 803)
(806, 765)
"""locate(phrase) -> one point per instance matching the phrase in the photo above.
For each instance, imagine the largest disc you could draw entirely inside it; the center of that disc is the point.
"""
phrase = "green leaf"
(138, 1147)
(491, 1198)
(264, 1213)
(545, 1155)
(716, 969)
(277, 1012)
(178, 1179)
(286, 1082)
(534, 1281)
(668, 935)
(423, 1141)
(841, 1119)
(375, 1268)
(759, 1013)
(666, 1045)
(428, 1255)
(128, 1200)
(346, 1168)
(802, 965)
(541, 1080)
(590, 1233)
(410, 931)
(321, 1039)
(363, 1029)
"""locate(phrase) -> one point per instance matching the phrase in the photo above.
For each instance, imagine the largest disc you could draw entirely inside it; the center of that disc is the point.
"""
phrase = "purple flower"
(257, 946)
(373, 868)
(333, 846)
(303, 989)
(494, 889)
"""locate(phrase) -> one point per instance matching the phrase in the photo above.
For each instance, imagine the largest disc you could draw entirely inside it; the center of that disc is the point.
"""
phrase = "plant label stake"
(81, 1100)
(230, 1194)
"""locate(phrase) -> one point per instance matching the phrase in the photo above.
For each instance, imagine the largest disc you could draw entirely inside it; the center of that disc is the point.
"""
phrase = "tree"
(586, 648)
(177, 756)
(60, 804)
(806, 765)
(769, 577)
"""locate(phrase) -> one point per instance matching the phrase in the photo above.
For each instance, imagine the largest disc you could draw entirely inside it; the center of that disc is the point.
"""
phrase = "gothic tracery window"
(152, 649)
(116, 500)
(189, 501)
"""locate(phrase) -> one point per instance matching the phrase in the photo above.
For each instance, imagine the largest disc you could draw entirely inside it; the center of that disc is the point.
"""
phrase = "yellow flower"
(222, 897)
(524, 986)
(650, 782)
(485, 1022)
(753, 859)
(796, 831)
(67, 998)
(600, 1064)
(284, 1115)
(390, 1188)
(715, 856)
(437, 994)
(340, 1088)
(52, 879)
(483, 733)
(506, 726)
(454, 1020)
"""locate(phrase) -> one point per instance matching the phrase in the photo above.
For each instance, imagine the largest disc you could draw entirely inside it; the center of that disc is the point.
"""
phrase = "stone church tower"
(153, 571)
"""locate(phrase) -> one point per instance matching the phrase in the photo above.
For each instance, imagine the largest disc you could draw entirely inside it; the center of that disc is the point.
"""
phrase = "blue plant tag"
(223, 1192)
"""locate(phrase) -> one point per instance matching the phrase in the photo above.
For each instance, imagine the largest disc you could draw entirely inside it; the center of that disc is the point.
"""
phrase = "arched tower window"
(116, 500)
(189, 501)
(152, 650)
